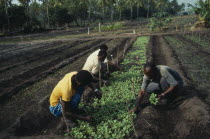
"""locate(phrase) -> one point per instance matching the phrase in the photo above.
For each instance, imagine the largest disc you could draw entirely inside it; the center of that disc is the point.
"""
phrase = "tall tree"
(130, 4)
(120, 4)
(138, 4)
(102, 4)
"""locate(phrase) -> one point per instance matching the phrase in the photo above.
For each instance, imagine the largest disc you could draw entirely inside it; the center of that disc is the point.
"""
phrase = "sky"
(187, 1)
(179, 1)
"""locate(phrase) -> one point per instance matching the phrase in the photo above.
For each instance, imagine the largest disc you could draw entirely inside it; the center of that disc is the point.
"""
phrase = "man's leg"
(76, 99)
(163, 84)
(57, 110)
(153, 88)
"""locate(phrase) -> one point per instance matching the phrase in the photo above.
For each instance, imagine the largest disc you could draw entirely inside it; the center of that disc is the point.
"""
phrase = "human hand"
(160, 96)
(87, 118)
(105, 82)
(98, 94)
(70, 123)
(133, 110)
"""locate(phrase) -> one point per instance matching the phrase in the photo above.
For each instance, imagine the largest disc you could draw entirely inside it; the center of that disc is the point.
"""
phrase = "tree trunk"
(47, 8)
(137, 12)
(103, 14)
(131, 12)
(89, 15)
(120, 14)
(112, 14)
(6, 11)
(76, 22)
(148, 6)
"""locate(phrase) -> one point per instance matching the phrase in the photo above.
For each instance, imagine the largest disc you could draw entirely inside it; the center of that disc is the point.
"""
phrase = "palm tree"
(6, 11)
(130, 4)
(102, 4)
(120, 4)
(138, 4)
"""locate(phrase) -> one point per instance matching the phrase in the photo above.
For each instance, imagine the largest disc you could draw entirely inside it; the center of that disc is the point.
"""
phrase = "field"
(30, 67)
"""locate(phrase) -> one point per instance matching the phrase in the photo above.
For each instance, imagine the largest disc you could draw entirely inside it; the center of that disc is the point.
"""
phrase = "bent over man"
(159, 79)
(66, 95)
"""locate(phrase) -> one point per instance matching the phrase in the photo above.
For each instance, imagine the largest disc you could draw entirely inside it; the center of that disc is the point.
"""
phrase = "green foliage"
(203, 10)
(153, 99)
(112, 120)
(114, 26)
(159, 20)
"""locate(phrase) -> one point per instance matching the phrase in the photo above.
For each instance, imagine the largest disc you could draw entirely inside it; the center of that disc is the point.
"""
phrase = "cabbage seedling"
(153, 99)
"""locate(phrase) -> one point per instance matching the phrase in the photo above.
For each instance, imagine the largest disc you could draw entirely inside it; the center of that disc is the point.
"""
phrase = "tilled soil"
(39, 63)
(187, 116)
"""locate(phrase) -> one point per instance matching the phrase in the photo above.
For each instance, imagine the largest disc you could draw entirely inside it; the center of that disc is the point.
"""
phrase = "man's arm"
(171, 88)
(141, 93)
(67, 114)
(96, 92)
(114, 65)
(138, 101)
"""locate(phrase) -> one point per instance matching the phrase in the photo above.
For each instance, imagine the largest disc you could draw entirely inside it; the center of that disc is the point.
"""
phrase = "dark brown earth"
(185, 117)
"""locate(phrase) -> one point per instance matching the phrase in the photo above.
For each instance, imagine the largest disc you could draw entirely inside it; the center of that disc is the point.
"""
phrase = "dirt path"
(186, 117)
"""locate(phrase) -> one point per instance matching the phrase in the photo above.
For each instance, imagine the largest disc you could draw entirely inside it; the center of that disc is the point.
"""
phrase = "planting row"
(200, 41)
(112, 119)
(23, 74)
(193, 60)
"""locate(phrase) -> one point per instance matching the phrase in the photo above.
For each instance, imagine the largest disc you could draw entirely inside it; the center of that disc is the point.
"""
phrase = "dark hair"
(84, 77)
(150, 65)
(102, 52)
(103, 47)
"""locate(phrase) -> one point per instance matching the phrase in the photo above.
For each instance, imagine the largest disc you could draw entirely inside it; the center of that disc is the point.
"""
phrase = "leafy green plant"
(153, 99)
(159, 20)
(203, 10)
(114, 26)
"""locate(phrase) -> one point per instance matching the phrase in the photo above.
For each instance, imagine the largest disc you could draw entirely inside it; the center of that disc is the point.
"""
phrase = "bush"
(159, 20)
(110, 27)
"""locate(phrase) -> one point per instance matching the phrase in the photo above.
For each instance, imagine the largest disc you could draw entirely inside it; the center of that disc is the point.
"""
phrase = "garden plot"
(13, 79)
(199, 41)
(185, 117)
(25, 104)
(194, 61)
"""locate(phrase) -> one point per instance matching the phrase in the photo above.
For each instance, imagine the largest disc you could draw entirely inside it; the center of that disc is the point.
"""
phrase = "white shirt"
(92, 64)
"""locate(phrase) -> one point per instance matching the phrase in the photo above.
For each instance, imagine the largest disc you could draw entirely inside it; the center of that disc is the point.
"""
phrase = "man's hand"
(70, 123)
(161, 96)
(105, 82)
(142, 91)
(98, 94)
(88, 118)
(133, 110)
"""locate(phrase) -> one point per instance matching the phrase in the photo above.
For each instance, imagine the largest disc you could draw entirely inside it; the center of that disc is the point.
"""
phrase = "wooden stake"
(64, 118)
(100, 77)
(117, 56)
(107, 66)
(99, 27)
(88, 31)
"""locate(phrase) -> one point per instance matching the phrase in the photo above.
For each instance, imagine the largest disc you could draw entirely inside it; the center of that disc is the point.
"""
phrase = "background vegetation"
(36, 15)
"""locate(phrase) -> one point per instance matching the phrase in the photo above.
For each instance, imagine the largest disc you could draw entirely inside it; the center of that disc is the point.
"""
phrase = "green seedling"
(153, 99)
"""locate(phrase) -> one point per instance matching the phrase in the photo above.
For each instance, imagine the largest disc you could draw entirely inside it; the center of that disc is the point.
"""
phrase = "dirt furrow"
(12, 85)
(37, 55)
(197, 47)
